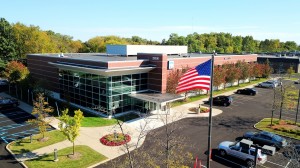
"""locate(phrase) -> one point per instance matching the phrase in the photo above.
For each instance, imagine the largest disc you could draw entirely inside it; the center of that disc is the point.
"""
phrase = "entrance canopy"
(159, 98)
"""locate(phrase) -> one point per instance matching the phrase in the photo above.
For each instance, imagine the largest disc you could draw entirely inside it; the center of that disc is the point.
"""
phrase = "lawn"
(265, 123)
(97, 122)
(218, 92)
(24, 145)
(88, 157)
(92, 121)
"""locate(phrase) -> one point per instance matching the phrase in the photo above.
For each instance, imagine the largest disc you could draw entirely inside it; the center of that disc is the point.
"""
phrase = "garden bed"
(115, 139)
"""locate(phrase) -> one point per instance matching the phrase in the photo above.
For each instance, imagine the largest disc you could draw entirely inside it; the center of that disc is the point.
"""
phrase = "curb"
(21, 162)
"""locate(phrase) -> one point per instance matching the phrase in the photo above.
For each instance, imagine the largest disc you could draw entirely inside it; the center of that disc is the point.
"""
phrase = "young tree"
(41, 108)
(70, 126)
(239, 67)
(219, 76)
(231, 73)
(172, 80)
(245, 71)
(290, 71)
(266, 69)
(257, 70)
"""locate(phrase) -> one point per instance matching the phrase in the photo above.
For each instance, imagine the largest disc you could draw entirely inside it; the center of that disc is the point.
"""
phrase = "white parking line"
(275, 164)
(230, 161)
(287, 164)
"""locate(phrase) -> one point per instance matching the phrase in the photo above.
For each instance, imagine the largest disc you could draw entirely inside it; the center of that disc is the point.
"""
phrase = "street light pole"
(210, 110)
(297, 107)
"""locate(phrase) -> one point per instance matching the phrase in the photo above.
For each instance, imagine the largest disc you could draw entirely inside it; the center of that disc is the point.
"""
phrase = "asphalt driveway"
(13, 126)
(235, 120)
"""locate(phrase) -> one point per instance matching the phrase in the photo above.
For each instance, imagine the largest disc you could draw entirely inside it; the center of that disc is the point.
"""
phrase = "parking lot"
(236, 119)
(13, 126)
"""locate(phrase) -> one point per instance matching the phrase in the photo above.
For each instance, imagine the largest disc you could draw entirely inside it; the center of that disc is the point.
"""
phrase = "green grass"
(88, 157)
(291, 78)
(218, 92)
(265, 123)
(97, 122)
(92, 121)
(24, 145)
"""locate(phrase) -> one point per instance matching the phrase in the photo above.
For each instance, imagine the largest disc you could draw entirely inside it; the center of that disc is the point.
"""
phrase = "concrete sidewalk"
(90, 136)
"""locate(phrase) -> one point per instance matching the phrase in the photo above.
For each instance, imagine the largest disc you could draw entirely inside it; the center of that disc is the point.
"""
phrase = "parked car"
(3, 82)
(266, 138)
(267, 85)
(222, 100)
(235, 150)
(8, 102)
(275, 81)
(247, 91)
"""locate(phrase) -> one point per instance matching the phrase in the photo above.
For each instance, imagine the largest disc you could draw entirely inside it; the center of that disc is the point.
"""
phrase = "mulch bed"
(106, 140)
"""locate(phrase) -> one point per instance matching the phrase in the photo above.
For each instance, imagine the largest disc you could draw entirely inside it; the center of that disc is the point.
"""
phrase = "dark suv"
(222, 100)
(8, 102)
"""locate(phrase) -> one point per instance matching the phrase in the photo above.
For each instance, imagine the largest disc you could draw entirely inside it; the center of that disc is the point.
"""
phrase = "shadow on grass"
(128, 117)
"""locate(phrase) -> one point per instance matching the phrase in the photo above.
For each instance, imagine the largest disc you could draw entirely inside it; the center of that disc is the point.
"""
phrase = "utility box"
(246, 144)
(268, 150)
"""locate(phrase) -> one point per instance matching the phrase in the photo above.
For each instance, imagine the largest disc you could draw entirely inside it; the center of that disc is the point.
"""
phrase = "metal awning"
(157, 97)
(103, 71)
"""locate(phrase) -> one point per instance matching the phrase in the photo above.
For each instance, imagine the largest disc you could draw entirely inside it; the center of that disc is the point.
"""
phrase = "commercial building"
(108, 84)
(281, 64)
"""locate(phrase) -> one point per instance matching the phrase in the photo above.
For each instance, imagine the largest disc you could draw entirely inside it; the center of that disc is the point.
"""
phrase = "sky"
(157, 19)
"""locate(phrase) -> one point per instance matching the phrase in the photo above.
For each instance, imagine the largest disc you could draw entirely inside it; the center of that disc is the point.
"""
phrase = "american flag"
(195, 78)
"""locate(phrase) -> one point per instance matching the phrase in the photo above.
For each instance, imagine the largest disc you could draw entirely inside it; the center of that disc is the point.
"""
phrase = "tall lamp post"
(210, 110)
(297, 108)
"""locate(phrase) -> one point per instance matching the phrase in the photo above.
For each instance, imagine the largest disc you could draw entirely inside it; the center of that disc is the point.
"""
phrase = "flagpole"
(210, 109)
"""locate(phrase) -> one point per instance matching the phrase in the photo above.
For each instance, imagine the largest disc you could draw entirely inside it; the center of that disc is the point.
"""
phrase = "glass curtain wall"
(107, 95)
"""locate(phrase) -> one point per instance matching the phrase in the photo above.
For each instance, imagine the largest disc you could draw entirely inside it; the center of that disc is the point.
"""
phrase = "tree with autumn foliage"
(174, 77)
(290, 71)
(266, 69)
(15, 72)
(257, 70)
(244, 71)
(172, 80)
(219, 76)
(41, 108)
(239, 67)
(231, 73)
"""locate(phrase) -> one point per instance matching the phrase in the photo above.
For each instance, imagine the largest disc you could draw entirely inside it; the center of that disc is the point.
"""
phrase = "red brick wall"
(157, 78)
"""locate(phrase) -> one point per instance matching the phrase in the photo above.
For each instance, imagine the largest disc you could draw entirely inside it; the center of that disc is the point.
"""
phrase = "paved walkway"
(90, 135)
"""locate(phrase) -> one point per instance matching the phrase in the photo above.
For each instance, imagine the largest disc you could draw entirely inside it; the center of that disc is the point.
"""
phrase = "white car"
(268, 84)
(235, 150)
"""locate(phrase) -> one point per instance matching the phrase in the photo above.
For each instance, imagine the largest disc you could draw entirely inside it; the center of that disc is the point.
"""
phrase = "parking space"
(13, 125)
(236, 119)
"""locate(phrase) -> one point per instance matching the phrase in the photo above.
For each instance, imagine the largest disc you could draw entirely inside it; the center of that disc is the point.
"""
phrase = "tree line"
(17, 40)
(227, 43)
(227, 73)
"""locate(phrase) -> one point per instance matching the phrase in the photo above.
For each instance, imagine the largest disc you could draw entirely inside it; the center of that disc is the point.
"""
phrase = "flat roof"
(101, 70)
(103, 57)
(100, 57)
(281, 57)
(157, 97)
